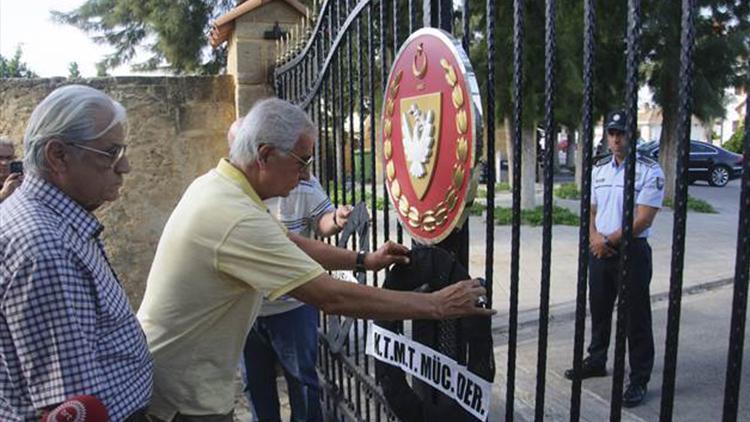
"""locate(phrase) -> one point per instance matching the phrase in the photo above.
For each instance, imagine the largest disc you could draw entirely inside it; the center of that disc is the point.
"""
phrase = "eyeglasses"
(115, 156)
(305, 163)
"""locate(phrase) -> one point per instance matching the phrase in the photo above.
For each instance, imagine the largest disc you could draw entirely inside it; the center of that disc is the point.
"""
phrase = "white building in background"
(735, 115)
(650, 120)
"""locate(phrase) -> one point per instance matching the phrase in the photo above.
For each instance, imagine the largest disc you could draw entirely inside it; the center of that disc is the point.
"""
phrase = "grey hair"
(271, 121)
(72, 114)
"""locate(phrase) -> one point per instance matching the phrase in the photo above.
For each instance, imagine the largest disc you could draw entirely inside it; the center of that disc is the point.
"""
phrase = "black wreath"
(466, 340)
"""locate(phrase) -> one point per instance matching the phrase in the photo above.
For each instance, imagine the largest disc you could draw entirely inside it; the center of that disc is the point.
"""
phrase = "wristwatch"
(360, 265)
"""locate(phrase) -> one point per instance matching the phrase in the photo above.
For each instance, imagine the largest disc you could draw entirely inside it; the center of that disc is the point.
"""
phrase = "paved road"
(701, 368)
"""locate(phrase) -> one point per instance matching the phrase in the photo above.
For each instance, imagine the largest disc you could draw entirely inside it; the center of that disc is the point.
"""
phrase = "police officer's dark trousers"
(603, 292)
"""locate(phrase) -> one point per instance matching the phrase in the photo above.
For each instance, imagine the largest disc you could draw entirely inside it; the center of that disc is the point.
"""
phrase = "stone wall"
(177, 131)
(251, 56)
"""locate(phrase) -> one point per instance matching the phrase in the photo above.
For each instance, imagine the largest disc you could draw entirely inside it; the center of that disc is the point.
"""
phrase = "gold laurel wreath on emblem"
(436, 217)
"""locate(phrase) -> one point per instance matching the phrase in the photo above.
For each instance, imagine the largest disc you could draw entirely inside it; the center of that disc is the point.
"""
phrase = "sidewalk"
(701, 370)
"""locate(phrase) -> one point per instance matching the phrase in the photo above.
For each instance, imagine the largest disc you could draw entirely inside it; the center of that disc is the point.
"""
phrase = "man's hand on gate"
(599, 246)
(460, 300)
(389, 253)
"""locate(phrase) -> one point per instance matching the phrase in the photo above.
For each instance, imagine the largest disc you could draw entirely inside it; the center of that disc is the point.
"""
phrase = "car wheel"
(719, 176)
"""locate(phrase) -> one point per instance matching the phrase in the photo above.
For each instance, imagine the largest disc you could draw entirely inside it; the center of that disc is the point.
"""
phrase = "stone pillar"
(251, 57)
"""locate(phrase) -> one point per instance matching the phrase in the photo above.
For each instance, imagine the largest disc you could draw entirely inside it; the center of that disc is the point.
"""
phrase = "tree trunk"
(570, 153)
(528, 170)
(668, 150)
(555, 153)
(509, 148)
(579, 161)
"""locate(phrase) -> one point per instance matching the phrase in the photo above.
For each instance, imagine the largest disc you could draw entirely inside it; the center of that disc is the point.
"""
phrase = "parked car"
(708, 162)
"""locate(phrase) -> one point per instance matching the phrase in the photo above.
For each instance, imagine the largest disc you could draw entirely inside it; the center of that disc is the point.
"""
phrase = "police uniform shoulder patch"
(602, 160)
(648, 161)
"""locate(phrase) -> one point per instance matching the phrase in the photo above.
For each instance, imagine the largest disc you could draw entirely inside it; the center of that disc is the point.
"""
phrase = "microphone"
(78, 409)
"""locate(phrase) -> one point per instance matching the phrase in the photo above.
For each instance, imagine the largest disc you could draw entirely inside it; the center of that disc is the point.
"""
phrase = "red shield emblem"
(430, 119)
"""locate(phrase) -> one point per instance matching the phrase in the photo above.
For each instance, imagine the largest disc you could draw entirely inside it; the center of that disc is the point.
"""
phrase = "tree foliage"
(170, 34)
(734, 143)
(608, 67)
(14, 67)
(73, 72)
(722, 34)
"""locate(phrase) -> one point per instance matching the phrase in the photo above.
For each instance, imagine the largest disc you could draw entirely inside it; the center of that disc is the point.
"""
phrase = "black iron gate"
(336, 68)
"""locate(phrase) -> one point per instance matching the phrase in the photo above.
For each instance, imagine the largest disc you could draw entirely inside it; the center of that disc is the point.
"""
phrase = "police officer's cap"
(615, 120)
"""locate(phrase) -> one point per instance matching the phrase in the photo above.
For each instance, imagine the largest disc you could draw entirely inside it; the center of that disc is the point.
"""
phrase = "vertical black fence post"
(741, 268)
(384, 68)
(550, 141)
(631, 108)
(489, 270)
(518, 35)
(396, 45)
(589, 55)
(680, 208)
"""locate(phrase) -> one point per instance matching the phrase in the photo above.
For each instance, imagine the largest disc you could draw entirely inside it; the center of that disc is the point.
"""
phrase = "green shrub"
(734, 143)
(568, 191)
(560, 216)
(477, 209)
(502, 187)
(694, 204)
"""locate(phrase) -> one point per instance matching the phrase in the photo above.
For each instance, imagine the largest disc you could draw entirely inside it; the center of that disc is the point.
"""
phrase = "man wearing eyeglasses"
(9, 182)
(286, 331)
(222, 251)
(66, 327)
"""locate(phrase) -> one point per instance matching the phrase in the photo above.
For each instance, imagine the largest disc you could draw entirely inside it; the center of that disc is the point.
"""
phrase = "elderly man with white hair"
(222, 251)
(66, 327)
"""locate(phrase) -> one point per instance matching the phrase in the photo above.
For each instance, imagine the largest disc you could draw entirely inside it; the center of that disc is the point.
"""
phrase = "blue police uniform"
(607, 188)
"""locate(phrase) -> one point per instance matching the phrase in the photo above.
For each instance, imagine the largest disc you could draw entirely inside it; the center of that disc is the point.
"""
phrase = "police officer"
(605, 233)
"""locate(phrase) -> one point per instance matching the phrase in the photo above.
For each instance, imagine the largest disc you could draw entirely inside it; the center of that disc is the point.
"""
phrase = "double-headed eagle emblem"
(418, 139)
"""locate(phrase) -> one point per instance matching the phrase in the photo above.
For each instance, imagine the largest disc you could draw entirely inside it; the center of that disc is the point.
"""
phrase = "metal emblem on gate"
(431, 120)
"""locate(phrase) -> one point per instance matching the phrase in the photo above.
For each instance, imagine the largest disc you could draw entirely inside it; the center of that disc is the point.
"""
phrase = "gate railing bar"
(373, 181)
(384, 66)
(352, 71)
(361, 145)
(335, 40)
(339, 180)
(412, 17)
(587, 135)
(549, 149)
(490, 125)
(396, 44)
(631, 108)
(327, 124)
(322, 21)
(680, 210)
(394, 27)
(465, 20)
(741, 268)
(518, 36)
(363, 74)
